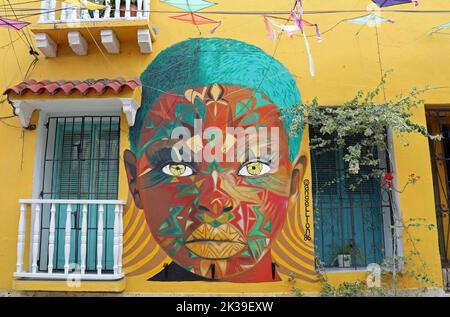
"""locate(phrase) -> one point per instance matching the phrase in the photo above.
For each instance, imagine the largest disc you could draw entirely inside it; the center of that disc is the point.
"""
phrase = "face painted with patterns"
(215, 214)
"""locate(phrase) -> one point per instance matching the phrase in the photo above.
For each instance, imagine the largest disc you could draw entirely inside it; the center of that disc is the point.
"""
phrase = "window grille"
(81, 161)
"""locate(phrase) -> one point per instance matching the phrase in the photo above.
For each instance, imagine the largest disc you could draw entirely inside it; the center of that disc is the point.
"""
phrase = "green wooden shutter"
(343, 216)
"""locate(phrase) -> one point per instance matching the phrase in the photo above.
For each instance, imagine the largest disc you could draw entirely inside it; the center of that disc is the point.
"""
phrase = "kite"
(388, 3)
(85, 4)
(371, 19)
(439, 28)
(275, 28)
(191, 6)
(300, 23)
(193, 19)
(13, 24)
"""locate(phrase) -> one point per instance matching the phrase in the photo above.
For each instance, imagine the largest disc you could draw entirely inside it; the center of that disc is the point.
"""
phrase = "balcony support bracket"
(110, 41)
(46, 44)
(144, 40)
(24, 112)
(129, 108)
(77, 43)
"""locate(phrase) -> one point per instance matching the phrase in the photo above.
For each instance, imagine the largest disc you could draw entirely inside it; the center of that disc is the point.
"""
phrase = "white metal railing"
(36, 207)
(53, 11)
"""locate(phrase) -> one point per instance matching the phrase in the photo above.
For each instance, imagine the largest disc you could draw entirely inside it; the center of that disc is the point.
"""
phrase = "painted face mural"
(216, 203)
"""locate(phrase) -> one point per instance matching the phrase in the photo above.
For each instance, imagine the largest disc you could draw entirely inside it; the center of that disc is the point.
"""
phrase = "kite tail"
(216, 27)
(270, 30)
(308, 51)
(318, 36)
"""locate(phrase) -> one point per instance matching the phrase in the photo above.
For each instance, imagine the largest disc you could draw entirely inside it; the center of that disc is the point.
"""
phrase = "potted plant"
(345, 253)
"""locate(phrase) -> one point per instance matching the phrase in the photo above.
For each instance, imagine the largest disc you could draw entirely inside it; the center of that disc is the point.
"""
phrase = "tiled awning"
(71, 87)
(75, 96)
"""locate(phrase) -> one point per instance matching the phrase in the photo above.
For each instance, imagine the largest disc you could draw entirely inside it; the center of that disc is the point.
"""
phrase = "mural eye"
(254, 169)
(177, 170)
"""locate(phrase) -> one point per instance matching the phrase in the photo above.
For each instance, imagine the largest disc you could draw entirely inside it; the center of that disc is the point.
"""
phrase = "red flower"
(389, 177)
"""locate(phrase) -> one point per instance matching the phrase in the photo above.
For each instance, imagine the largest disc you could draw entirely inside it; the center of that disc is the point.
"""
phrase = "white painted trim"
(23, 111)
(72, 106)
(70, 276)
(39, 155)
(399, 231)
(359, 269)
(100, 19)
(38, 170)
(386, 209)
(72, 201)
(130, 108)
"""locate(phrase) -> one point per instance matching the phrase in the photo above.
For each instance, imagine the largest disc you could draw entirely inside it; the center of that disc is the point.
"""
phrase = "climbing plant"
(364, 119)
(367, 121)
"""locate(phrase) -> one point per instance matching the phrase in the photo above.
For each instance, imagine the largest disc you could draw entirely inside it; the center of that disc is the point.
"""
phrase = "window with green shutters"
(81, 161)
(346, 218)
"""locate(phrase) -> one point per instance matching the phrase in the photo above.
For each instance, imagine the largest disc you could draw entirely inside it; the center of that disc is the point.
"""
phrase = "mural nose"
(213, 198)
(225, 208)
(216, 214)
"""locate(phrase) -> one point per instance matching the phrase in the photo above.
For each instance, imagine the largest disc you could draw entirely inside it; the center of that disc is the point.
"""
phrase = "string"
(380, 62)
(250, 12)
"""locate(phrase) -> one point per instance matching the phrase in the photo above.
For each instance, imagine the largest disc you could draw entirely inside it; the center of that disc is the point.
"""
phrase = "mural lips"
(220, 242)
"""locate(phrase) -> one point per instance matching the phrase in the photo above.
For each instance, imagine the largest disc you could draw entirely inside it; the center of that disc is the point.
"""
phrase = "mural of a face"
(216, 217)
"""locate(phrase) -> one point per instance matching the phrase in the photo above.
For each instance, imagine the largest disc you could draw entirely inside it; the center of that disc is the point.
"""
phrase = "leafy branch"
(363, 120)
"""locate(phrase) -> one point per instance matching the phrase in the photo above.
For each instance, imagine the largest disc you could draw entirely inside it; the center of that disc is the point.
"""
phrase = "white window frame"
(40, 149)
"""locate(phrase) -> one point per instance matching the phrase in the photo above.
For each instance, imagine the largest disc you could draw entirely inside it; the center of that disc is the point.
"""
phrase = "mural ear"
(297, 175)
(130, 166)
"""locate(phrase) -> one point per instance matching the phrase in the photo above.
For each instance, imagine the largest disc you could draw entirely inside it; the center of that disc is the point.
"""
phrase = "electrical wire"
(380, 62)
(21, 3)
(28, 40)
(244, 12)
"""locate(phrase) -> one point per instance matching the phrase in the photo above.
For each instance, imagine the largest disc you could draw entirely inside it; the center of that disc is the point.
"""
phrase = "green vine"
(363, 116)
(368, 123)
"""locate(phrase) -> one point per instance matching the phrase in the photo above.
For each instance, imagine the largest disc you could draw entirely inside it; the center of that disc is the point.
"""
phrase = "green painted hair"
(200, 62)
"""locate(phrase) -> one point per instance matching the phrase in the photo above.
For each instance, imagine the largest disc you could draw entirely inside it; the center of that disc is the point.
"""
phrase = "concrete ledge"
(63, 286)
(125, 30)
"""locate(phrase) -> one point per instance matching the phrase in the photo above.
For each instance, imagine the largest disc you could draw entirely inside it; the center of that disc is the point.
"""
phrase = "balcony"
(61, 12)
(61, 23)
(70, 239)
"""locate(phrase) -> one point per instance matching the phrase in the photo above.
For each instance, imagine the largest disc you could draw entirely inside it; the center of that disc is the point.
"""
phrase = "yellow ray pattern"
(143, 257)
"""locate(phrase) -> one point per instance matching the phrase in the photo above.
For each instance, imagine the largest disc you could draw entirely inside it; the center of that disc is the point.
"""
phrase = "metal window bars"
(81, 162)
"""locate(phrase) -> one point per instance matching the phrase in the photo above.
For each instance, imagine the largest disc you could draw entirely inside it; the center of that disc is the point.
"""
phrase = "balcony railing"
(53, 11)
(53, 226)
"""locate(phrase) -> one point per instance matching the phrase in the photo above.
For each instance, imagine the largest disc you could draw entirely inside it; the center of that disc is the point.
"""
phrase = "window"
(81, 161)
(346, 219)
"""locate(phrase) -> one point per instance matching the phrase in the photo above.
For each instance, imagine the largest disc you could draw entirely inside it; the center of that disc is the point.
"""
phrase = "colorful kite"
(12, 24)
(275, 28)
(191, 6)
(300, 23)
(439, 28)
(388, 3)
(193, 19)
(370, 20)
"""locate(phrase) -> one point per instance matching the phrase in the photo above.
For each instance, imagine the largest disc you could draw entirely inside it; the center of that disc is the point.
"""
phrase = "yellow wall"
(345, 62)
